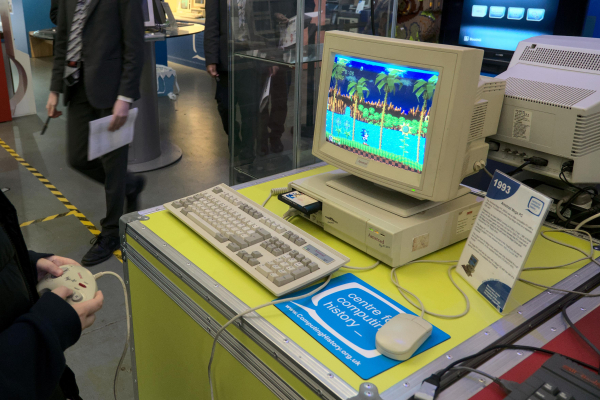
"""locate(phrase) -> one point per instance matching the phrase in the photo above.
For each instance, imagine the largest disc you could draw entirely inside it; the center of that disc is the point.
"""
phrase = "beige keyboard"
(274, 252)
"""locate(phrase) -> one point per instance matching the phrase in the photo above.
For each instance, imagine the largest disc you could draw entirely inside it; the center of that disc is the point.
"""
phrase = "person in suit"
(53, 11)
(98, 59)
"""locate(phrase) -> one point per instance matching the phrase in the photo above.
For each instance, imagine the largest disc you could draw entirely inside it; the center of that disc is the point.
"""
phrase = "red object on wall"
(5, 113)
(567, 343)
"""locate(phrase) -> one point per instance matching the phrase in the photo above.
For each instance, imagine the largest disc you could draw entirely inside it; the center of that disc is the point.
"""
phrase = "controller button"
(77, 297)
(82, 285)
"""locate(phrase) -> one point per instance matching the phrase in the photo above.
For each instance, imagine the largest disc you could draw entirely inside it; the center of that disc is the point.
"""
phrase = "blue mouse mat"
(345, 317)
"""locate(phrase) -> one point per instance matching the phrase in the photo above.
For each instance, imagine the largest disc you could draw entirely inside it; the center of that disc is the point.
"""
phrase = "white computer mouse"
(402, 335)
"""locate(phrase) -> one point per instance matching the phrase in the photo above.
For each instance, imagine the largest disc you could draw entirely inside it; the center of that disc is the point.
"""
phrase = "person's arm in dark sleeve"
(54, 11)
(212, 32)
(132, 23)
(60, 48)
(32, 349)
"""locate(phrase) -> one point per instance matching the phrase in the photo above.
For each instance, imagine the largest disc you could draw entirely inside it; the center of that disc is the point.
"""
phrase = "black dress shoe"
(276, 145)
(132, 197)
(102, 249)
(263, 149)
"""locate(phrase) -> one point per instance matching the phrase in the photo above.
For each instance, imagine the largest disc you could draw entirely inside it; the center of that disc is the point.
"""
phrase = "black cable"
(519, 168)
(577, 331)
(436, 378)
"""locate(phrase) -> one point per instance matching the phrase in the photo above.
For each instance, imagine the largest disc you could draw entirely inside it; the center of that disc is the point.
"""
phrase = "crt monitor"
(397, 112)
(197, 4)
(497, 26)
(185, 4)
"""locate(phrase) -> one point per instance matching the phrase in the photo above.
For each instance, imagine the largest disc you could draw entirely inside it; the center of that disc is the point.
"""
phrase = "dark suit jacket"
(113, 50)
(54, 11)
(215, 34)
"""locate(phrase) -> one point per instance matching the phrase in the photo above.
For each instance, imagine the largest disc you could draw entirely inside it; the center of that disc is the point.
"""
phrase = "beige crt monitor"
(446, 160)
(406, 122)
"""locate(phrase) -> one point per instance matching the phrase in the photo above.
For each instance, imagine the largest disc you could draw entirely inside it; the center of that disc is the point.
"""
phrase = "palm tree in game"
(356, 90)
(338, 73)
(423, 89)
(388, 83)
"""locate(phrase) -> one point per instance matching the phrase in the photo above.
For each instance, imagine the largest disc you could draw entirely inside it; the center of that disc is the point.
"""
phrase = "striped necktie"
(75, 43)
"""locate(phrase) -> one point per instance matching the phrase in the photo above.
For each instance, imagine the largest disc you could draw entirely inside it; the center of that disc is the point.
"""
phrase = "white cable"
(402, 290)
(370, 267)
(488, 172)
(275, 192)
(272, 303)
(585, 221)
(559, 290)
(564, 219)
(116, 380)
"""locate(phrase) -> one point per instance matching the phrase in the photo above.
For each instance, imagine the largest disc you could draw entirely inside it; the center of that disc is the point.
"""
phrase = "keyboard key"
(564, 396)
(263, 232)
(272, 276)
(253, 262)
(299, 257)
(263, 270)
(298, 265)
(550, 388)
(237, 239)
(290, 269)
(233, 247)
(293, 253)
(280, 229)
(283, 280)
(257, 215)
(300, 242)
(264, 244)
(241, 254)
(541, 394)
(270, 248)
(278, 243)
(220, 238)
(284, 264)
(177, 204)
(254, 238)
(277, 252)
(306, 261)
(287, 234)
(285, 248)
(300, 272)
(246, 257)
(217, 190)
(256, 254)
(313, 266)
(293, 238)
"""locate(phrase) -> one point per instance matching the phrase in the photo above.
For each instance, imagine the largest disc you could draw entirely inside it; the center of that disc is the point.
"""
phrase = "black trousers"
(109, 170)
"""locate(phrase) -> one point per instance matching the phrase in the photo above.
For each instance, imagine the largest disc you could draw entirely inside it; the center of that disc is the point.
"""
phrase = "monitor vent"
(587, 135)
(545, 93)
(478, 121)
(561, 58)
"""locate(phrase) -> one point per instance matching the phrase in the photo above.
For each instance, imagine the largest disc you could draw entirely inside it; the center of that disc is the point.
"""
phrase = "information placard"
(506, 228)
(345, 317)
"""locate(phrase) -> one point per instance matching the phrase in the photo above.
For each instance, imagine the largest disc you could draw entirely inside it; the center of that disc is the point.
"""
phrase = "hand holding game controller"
(74, 277)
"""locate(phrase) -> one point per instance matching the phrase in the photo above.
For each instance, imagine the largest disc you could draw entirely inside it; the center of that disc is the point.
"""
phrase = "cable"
(500, 382)
(275, 192)
(577, 331)
(434, 381)
(272, 303)
(519, 168)
(488, 172)
(116, 380)
(402, 290)
(370, 267)
(585, 221)
(588, 256)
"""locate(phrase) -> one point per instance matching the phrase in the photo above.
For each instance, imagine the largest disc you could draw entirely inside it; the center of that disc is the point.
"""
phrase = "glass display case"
(274, 63)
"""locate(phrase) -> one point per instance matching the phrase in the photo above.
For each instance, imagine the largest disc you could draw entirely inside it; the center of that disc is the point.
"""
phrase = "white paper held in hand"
(102, 141)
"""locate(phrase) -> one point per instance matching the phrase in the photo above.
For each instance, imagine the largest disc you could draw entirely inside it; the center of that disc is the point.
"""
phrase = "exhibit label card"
(345, 317)
(506, 228)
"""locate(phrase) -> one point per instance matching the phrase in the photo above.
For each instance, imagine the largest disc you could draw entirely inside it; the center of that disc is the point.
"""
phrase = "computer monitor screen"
(380, 111)
(493, 24)
(184, 4)
(197, 4)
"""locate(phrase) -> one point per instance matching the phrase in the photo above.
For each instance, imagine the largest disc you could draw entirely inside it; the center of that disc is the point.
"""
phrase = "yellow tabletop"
(428, 281)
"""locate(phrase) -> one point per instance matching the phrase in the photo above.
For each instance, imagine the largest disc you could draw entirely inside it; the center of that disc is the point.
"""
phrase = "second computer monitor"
(397, 112)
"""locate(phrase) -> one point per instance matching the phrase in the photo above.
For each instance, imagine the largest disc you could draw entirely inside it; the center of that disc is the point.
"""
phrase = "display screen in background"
(502, 24)
(380, 111)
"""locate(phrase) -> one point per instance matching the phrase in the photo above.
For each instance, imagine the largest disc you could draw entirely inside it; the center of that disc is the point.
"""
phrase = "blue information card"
(345, 317)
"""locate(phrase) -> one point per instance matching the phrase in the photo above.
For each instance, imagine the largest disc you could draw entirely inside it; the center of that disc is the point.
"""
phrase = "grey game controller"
(74, 277)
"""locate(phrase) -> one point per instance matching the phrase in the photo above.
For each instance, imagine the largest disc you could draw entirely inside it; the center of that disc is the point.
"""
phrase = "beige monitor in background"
(405, 115)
